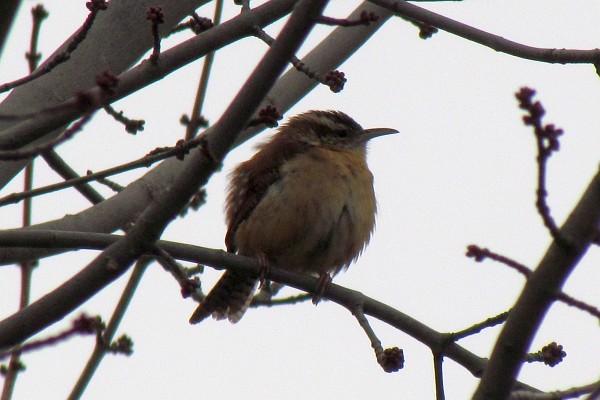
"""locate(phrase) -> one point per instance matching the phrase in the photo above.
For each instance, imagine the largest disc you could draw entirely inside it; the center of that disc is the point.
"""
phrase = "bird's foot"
(265, 266)
(322, 286)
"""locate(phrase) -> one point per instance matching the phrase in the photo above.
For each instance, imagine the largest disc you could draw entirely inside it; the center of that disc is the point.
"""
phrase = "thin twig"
(94, 6)
(112, 185)
(391, 359)
(593, 389)
(334, 79)
(480, 254)
(154, 156)
(197, 24)
(438, 361)
(101, 348)
(364, 324)
(156, 16)
(42, 148)
(478, 327)
(552, 354)
(189, 287)
(365, 19)
(132, 126)
(39, 14)
(83, 325)
(547, 143)
(68, 174)
(15, 365)
(260, 301)
(573, 302)
(196, 115)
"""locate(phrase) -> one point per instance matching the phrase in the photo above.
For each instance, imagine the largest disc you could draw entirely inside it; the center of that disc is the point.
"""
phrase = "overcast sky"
(462, 171)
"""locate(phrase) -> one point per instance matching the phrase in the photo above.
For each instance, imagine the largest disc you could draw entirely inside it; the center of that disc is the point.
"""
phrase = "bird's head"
(331, 129)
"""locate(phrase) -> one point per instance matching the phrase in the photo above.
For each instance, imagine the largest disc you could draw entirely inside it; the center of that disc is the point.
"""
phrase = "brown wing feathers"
(250, 182)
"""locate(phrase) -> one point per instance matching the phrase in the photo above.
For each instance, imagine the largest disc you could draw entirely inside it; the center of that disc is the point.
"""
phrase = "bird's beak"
(369, 134)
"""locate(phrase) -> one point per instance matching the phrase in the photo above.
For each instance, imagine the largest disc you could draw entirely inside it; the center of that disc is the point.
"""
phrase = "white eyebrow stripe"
(329, 121)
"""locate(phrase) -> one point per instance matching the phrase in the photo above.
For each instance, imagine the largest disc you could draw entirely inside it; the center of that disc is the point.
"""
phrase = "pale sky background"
(461, 171)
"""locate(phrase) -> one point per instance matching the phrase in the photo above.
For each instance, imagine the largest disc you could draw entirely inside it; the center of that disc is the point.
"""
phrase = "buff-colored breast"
(317, 217)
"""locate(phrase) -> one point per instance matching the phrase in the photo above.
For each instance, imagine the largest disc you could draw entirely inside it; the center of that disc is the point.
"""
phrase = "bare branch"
(392, 359)
(573, 393)
(538, 295)
(101, 349)
(220, 259)
(480, 254)
(123, 49)
(332, 51)
(438, 363)
(148, 227)
(195, 121)
(94, 6)
(472, 330)
(498, 43)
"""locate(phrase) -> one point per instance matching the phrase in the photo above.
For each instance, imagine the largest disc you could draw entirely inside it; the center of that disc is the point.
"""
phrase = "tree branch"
(495, 42)
(540, 292)
(148, 227)
(146, 73)
(121, 209)
(121, 23)
(220, 259)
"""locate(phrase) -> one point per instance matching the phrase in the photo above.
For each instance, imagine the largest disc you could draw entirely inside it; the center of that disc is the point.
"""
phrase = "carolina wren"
(305, 202)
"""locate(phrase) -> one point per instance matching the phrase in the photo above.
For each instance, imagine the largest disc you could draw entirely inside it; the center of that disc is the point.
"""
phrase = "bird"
(304, 202)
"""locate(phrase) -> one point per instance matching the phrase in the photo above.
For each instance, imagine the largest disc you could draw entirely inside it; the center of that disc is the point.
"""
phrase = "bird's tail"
(229, 298)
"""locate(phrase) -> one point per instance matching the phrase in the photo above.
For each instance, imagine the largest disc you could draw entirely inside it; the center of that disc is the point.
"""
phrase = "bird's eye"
(342, 134)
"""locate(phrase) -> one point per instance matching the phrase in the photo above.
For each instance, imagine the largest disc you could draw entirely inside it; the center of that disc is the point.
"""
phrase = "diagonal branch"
(495, 42)
(146, 73)
(93, 55)
(148, 227)
(539, 294)
(121, 209)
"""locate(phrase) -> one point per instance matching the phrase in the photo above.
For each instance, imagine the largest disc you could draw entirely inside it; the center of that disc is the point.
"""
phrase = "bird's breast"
(317, 217)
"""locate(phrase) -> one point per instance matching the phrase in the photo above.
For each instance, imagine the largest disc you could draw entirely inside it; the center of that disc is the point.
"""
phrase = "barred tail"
(229, 298)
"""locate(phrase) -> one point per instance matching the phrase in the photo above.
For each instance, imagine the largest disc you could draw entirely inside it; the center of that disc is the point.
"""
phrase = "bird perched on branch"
(304, 202)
